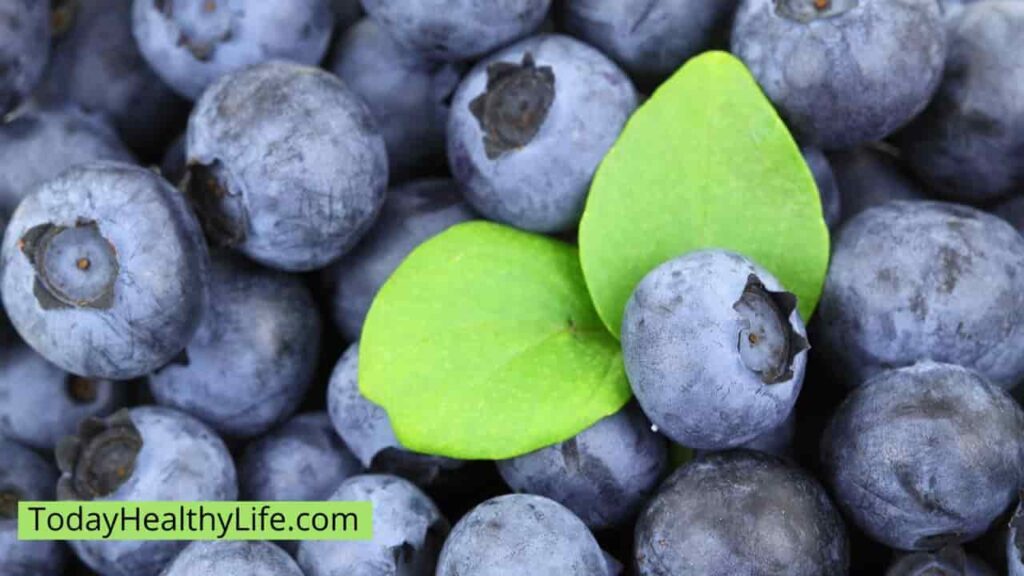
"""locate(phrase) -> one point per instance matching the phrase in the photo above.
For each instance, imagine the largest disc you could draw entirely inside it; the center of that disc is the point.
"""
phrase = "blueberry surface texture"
(40, 403)
(408, 531)
(925, 456)
(408, 94)
(232, 559)
(914, 281)
(25, 475)
(843, 72)
(741, 512)
(105, 271)
(650, 39)
(457, 29)
(97, 65)
(603, 475)
(147, 454)
(287, 165)
(254, 355)
(949, 560)
(412, 213)
(39, 144)
(192, 43)
(714, 349)
(367, 431)
(529, 126)
(24, 49)
(967, 144)
(521, 534)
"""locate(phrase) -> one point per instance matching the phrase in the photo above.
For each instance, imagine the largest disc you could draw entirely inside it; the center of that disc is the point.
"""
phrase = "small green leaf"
(484, 345)
(706, 162)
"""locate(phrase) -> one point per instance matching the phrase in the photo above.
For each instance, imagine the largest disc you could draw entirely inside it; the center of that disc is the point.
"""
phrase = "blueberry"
(741, 512)
(457, 29)
(828, 190)
(366, 430)
(255, 353)
(40, 403)
(96, 64)
(603, 475)
(302, 460)
(868, 177)
(408, 530)
(408, 94)
(105, 271)
(232, 559)
(925, 456)
(529, 126)
(951, 560)
(1015, 543)
(521, 534)
(38, 145)
(24, 48)
(648, 38)
(714, 349)
(412, 213)
(287, 165)
(967, 144)
(192, 43)
(843, 72)
(24, 475)
(911, 281)
(168, 456)
(778, 441)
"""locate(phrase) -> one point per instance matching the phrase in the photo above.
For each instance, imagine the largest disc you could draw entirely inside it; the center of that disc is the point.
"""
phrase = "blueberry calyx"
(81, 390)
(62, 16)
(515, 104)
(200, 50)
(76, 267)
(9, 498)
(221, 213)
(767, 343)
(100, 459)
(810, 10)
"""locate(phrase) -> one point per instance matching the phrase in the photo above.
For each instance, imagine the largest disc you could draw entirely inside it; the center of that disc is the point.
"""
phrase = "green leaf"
(484, 345)
(706, 162)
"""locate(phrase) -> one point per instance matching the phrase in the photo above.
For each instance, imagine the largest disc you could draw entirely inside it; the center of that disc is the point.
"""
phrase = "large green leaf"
(484, 344)
(706, 162)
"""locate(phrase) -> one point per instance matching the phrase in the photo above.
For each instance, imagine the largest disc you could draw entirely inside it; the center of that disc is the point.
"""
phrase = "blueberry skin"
(39, 144)
(287, 165)
(254, 356)
(949, 560)
(453, 30)
(741, 512)
(967, 144)
(539, 182)
(25, 475)
(131, 264)
(778, 441)
(24, 48)
(190, 45)
(1015, 542)
(408, 94)
(911, 281)
(521, 534)
(853, 73)
(181, 459)
(408, 530)
(649, 39)
(925, 456)
(603, 475)
(40, 403)
(868, 177)
(412, 213)
(828, 189)
(96, 64)
(367, 431)
(223, 558)
(680, 337)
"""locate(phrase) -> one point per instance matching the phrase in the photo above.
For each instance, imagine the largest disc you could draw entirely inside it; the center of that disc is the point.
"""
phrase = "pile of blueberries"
(202, 197)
